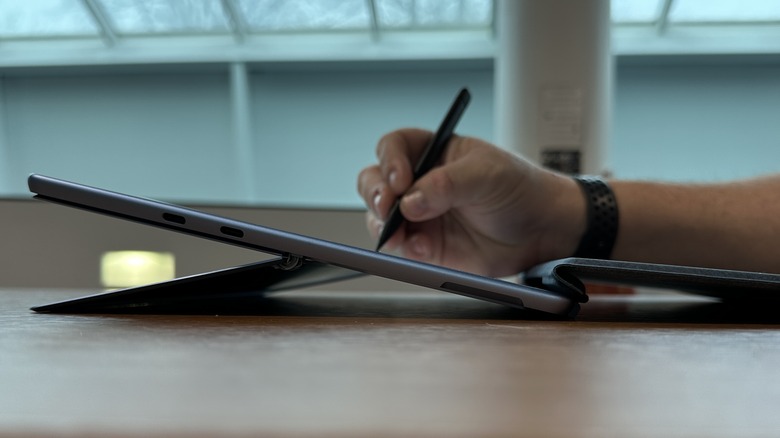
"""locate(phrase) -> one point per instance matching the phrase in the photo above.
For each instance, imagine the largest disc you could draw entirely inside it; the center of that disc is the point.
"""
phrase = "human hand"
(482, 210)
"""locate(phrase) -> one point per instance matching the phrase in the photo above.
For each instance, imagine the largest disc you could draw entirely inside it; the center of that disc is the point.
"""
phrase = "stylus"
(431, 155)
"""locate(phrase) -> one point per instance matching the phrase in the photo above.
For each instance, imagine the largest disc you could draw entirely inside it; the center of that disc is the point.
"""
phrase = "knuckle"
(441, 182)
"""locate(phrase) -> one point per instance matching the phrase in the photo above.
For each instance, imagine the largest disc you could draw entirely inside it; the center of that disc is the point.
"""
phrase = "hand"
(482, 210)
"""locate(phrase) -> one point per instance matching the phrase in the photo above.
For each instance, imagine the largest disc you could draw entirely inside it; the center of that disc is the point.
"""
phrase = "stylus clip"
(290, 262)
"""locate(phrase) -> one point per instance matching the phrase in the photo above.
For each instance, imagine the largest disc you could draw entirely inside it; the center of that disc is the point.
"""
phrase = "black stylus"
(432, 154)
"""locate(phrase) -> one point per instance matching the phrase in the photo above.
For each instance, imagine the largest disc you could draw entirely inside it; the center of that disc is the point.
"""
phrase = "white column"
(240, 98)
(554, 81)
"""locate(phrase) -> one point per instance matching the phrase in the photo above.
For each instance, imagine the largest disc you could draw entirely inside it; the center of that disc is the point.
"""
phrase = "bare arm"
(733, 225)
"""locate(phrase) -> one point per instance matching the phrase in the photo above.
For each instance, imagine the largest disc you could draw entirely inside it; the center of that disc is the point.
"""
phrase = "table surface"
(392, 364)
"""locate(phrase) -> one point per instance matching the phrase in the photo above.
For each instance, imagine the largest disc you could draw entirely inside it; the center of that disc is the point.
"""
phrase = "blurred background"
(266, 110)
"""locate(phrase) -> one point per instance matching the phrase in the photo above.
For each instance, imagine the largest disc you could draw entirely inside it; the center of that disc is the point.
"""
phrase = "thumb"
(442, 189)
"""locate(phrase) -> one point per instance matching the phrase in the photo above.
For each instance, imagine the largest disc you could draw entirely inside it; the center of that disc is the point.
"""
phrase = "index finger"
(397, 151)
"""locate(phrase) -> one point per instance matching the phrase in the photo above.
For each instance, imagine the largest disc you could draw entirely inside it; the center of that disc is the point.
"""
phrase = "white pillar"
(554, 82)
(240, 94)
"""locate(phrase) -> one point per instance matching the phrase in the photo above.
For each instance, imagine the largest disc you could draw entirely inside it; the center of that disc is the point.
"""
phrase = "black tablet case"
(572, 274)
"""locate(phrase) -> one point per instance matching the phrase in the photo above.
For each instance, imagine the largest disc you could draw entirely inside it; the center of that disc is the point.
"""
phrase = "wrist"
(601, 230)
(566, 219)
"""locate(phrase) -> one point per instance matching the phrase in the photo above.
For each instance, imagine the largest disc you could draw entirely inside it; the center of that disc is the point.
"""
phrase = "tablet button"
(230, 231)
(170, 217)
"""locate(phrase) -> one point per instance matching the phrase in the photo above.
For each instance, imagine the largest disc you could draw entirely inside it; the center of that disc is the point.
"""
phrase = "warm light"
(136, 268)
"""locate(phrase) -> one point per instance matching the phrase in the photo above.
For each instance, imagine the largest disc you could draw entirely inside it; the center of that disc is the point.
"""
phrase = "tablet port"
(170, 217)
(230, 231)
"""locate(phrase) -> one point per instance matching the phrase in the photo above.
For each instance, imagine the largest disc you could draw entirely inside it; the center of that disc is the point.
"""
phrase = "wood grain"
(391, 364)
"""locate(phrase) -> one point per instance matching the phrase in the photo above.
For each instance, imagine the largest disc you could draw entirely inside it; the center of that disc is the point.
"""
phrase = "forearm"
(731, 226)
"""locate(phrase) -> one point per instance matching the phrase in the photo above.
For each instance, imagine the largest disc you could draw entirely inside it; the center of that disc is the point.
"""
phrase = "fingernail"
(376, 200)
(375, 225)
(392, 178)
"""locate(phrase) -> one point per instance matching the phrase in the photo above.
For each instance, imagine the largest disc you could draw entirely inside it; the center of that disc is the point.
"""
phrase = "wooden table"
(412, 364)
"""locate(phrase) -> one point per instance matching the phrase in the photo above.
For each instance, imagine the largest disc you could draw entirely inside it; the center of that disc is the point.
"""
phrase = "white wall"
(697, 123)
(169, 134)
(315, 131)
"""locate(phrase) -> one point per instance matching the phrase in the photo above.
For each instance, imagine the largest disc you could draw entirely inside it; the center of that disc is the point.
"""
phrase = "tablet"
(302, 261)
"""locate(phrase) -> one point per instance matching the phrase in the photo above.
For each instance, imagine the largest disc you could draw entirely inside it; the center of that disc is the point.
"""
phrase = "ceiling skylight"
(304, 15)
(434, 13)
(165, 16)
(708, 11)
(636, 11)
(426, 28)
(45, 18)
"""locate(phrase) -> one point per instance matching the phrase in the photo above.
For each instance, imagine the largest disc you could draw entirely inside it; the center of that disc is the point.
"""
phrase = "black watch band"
(602, 210)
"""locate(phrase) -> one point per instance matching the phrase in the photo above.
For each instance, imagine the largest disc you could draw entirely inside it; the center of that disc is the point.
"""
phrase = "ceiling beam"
(663, 17)
(98, 14)
(373, 20)
(237, 23)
